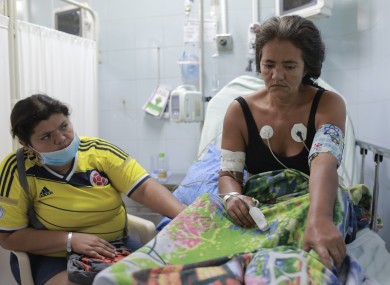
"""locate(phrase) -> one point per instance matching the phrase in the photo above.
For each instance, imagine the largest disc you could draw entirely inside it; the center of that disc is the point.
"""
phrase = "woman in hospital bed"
(291, 123)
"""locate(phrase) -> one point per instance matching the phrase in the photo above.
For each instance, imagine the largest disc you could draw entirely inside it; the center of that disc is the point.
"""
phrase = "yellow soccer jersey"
(87, 199)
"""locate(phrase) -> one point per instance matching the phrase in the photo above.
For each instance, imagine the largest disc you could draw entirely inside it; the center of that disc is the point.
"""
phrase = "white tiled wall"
(131, 33)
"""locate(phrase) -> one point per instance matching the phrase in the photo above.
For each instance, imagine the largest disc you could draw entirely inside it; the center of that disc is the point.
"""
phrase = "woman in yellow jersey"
(75, 184)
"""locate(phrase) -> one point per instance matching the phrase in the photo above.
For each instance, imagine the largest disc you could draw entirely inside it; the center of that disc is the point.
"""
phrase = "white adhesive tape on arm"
(232, 160)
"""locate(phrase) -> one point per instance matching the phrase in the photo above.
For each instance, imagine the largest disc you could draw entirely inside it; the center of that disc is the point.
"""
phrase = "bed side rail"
(378, 154)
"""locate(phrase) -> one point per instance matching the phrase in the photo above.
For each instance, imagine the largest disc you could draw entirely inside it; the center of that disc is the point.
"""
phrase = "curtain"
(62, 66)
(5, 93)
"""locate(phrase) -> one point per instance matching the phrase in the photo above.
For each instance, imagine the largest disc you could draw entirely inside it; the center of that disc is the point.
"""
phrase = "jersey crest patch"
(97, 180)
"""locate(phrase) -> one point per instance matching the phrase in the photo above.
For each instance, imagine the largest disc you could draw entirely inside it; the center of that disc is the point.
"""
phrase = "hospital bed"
(186, 248)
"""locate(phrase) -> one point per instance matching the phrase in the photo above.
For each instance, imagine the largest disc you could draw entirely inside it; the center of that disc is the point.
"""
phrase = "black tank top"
(259, 157)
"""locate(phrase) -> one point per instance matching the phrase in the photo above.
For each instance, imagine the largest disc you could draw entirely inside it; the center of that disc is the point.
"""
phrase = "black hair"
(29, 112)
(302, 33)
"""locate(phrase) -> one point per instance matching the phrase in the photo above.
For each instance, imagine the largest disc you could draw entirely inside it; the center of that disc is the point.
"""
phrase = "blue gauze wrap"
(328, 139)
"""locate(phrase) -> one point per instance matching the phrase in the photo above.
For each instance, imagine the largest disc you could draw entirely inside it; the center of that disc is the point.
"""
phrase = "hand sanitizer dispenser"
(186, 104)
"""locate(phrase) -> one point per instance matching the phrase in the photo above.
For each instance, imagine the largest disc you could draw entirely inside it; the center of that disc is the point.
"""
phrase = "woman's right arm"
(231, 181)
(232, 140)
(45, 242)
(34, 241)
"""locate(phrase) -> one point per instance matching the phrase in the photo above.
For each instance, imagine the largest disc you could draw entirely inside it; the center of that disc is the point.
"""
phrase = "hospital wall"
(131, 34)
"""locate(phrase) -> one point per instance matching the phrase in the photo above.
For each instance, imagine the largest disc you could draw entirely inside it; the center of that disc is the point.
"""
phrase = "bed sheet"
(370, 251)
(202, 178)
(203, 246)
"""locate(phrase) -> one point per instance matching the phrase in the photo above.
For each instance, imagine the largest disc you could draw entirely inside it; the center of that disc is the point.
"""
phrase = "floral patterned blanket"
(203, 246)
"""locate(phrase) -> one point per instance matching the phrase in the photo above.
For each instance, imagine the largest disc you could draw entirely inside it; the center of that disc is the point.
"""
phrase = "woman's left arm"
(158, 198)
(125, 172)
(321, 234)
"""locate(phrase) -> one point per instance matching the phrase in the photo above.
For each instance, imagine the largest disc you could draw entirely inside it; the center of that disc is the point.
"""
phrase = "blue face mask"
(62, 156)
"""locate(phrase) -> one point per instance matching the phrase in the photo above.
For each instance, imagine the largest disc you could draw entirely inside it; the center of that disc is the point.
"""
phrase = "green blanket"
(203, 246)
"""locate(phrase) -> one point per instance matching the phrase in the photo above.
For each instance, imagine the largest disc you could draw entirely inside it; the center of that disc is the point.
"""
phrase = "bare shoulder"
(333, 98)
(233, 109)
(233, 113)
(253, 101)
(233, 128)
(331, 110)
(235, 106)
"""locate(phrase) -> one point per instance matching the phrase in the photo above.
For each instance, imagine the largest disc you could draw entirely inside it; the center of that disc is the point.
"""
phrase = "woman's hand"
(238, 210)
(323, 236)
(92, 246)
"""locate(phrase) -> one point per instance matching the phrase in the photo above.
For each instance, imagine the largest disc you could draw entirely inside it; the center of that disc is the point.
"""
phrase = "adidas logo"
(45, 192)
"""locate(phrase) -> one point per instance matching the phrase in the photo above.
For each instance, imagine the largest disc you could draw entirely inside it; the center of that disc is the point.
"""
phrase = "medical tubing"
(346, 172)
(196, 181)
(177, 185)
(232, 174)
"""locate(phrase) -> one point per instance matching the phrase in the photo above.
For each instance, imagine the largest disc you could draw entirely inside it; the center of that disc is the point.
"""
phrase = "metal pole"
(363, 152)
(13, 57)
(201, 47)
(255, 11)
(13, 53)
(201, 56)
(379, 152)
(375, 192)
(223, 8)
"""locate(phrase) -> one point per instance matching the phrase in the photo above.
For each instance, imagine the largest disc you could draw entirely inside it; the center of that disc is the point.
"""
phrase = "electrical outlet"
(224, 42)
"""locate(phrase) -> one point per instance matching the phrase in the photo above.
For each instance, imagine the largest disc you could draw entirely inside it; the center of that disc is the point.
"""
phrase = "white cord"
(299, 134)
(270, 149)
(346, 172)
(197, 181)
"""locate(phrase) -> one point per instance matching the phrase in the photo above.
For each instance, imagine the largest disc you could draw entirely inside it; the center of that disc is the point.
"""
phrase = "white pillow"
(216, 109)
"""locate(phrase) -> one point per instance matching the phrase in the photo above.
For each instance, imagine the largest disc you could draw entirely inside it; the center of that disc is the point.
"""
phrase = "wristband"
(69, 243)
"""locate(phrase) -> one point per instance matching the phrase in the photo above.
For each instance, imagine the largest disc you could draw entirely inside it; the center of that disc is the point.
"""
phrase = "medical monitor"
(73, 20)
(312, 9)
